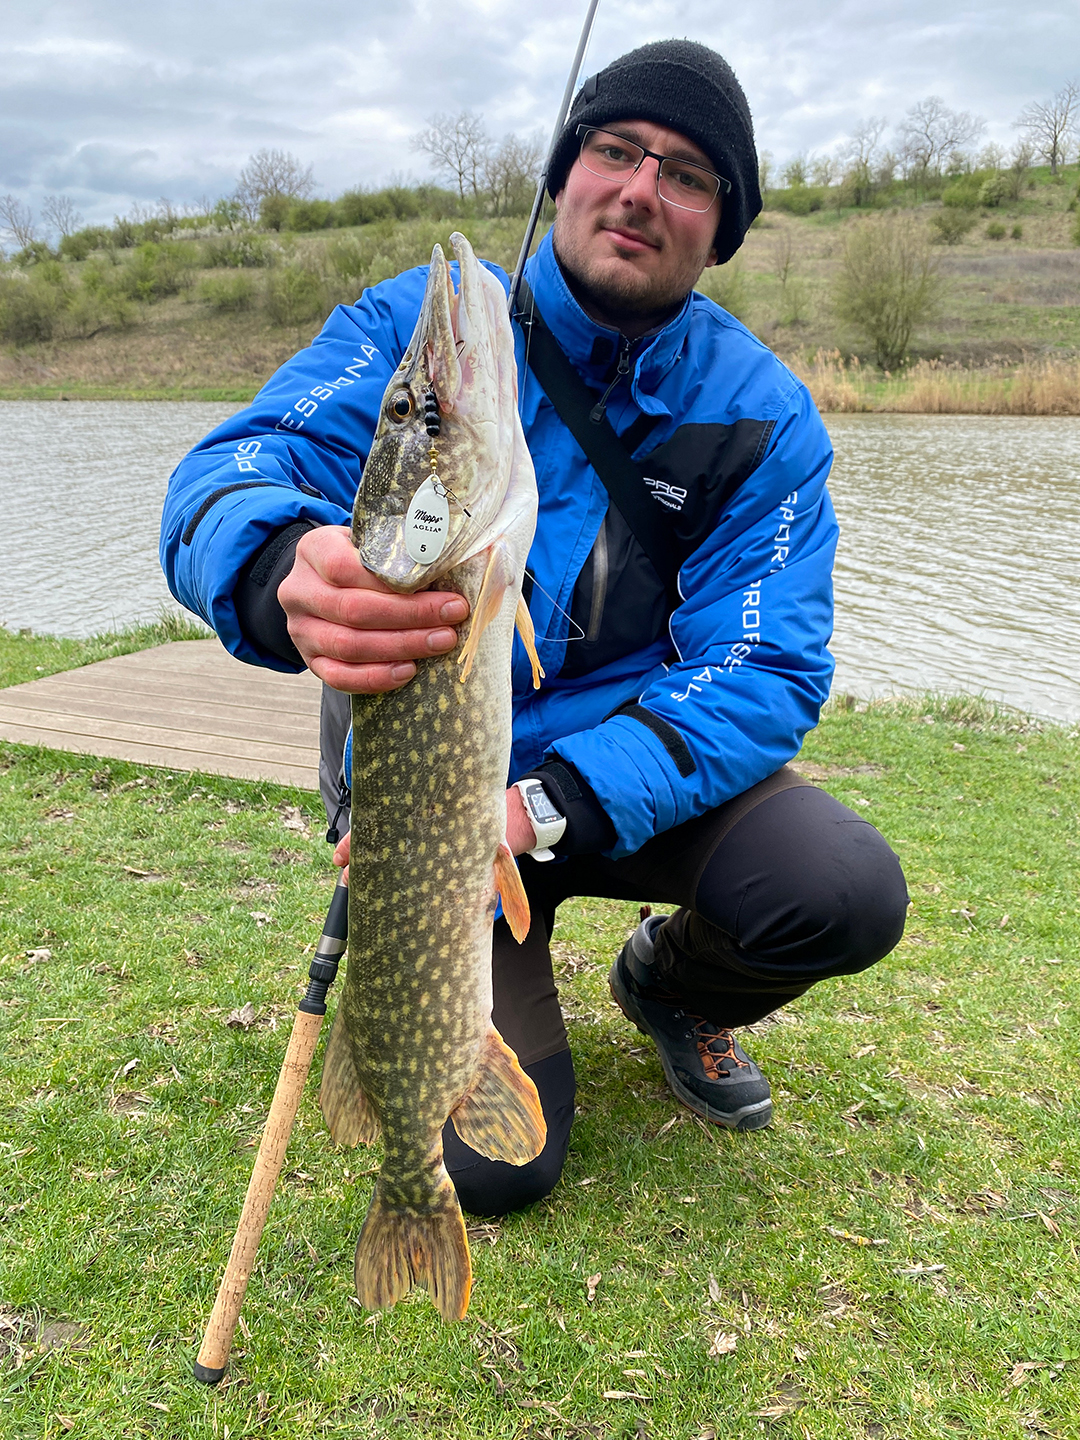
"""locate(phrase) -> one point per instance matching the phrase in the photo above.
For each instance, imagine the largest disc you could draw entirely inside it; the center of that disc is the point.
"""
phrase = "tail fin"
(399, 1248)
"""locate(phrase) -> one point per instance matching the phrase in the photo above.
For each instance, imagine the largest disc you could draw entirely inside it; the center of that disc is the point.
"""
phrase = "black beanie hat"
(689, 88)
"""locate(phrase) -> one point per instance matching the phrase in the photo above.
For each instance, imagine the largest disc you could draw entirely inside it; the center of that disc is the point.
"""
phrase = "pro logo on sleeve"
(426, 522)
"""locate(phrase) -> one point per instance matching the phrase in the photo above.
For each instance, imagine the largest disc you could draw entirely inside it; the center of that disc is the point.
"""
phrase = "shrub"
(948, 227)
(726, 285)
(362, 207)
(799, 200)
(84, 242)
(33, 254)
(1017, 232)
(995, 230)
(309, 215)
(156, 270)
(887, 284)
(228, 294)
(243, 249)
(294, 293)
(274, 210)
(349, 259)
(992, 191)
(962, 193)
(29, 310)
(1076, 231)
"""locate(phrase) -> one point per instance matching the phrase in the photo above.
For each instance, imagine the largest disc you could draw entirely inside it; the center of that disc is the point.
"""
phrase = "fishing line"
(559, 610)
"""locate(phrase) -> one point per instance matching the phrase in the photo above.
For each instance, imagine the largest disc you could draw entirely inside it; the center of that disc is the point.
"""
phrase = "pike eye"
(401, 405)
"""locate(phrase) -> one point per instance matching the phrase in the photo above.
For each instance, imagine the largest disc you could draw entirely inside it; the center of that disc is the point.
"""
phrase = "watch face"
(540, 806)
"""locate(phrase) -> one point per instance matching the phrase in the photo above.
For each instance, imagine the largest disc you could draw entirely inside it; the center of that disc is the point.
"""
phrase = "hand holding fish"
(351, 629)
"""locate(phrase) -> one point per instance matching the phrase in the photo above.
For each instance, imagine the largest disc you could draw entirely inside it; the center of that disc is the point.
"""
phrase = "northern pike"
(447, 500)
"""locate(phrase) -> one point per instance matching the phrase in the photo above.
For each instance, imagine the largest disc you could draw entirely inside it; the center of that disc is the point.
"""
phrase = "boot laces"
(715, 1044)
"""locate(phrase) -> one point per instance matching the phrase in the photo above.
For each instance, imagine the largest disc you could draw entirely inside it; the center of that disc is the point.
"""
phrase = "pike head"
(428, 502)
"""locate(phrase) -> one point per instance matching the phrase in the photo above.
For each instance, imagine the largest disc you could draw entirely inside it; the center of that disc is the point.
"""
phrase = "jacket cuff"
(263, 623)
(589, 830)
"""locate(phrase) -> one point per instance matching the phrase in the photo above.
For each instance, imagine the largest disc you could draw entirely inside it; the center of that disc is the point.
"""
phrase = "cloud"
(121, 101)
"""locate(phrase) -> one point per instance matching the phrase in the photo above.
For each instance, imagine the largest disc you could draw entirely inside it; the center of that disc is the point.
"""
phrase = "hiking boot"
(706, 1067)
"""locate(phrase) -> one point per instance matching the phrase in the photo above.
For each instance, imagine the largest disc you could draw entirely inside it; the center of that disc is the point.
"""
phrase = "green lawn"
(895, 1258)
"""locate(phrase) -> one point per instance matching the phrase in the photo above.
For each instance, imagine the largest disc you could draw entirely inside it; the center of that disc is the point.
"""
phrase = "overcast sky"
(121, 101)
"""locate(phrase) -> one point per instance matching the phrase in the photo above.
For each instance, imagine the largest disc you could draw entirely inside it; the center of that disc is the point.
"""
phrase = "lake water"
(958, 568)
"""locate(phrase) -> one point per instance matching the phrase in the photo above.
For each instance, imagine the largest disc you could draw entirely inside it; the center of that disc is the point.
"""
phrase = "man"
(652, 760)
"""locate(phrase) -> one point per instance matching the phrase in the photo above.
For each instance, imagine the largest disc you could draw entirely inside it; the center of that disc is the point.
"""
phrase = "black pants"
(773, 891)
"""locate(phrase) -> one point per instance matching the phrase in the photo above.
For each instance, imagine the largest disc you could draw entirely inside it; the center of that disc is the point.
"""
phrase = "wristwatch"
(548, 824)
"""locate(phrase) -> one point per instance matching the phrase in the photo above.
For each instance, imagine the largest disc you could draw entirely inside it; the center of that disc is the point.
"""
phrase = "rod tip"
(208, 1375)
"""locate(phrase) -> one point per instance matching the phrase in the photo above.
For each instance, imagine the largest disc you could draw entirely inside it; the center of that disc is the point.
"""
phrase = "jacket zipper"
(596, 414)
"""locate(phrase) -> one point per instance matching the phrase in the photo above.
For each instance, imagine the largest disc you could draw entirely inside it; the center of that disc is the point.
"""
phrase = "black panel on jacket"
(619, 603)
(262, 620)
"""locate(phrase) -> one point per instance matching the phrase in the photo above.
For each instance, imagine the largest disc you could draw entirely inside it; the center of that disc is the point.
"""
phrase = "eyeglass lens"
(678, 182)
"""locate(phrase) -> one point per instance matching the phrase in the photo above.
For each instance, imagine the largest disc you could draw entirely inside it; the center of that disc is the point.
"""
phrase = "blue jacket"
(717, 694)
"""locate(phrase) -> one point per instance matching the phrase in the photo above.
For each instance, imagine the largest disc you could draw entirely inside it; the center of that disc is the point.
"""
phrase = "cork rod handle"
(217, 1341)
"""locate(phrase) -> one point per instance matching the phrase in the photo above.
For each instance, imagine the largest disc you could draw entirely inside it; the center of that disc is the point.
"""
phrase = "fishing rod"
(220, 1328)
(564, 110)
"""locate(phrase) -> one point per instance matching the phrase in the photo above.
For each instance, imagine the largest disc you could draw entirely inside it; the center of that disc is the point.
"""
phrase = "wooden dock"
(184, 706)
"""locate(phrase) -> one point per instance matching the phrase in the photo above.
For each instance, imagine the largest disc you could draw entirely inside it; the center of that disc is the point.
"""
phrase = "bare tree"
(931, 133)
(1050, 125)
(511, 170)
(458, 146)
(1021, 158)
(272, 172)
(784, 255)
(825, 170)
(766, 169)
(859, 156)
(991, 157)
(17, 220)
(59, 212)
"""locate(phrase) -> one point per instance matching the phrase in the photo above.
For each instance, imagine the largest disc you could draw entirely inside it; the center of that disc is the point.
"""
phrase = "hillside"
(200, 314)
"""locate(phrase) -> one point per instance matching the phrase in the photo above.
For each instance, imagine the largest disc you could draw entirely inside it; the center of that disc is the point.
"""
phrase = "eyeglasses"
(614, 158)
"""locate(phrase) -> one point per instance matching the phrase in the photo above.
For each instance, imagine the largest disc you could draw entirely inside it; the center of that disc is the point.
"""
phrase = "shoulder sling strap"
(621, 475)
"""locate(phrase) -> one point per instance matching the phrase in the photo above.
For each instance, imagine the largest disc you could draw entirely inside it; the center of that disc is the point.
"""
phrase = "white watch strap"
(547, 832)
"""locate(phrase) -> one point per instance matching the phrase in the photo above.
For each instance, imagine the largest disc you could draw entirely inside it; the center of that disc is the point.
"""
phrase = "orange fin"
(346, 1109)
(400, 1248)
(511, 890)
(523, 621)
(501, 1115)
(488, 604)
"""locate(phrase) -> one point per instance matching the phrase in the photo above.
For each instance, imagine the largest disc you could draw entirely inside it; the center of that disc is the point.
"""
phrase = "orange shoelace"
(710, 1056)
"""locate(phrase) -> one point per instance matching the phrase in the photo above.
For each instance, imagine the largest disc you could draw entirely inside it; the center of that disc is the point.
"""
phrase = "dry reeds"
(1038, 387)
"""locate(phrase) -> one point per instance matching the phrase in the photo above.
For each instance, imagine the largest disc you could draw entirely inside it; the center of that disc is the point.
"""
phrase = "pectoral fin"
(493, 587)
(523, 621)
(348, 1112)
(501, 1115)
(515, 902)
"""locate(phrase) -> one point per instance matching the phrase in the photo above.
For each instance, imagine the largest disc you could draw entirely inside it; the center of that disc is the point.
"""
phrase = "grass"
(25, 655)
(1041, 387)
(895, 1258)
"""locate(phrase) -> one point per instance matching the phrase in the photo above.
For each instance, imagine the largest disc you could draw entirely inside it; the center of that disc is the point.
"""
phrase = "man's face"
(633, 257)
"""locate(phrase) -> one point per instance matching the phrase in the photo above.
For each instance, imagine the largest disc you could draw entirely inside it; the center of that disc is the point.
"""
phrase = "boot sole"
(749, 1117)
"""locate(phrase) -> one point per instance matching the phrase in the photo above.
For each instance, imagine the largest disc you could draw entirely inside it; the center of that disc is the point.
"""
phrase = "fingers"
(350, 629)
(329, 580)
(361, 679)
(341, 850)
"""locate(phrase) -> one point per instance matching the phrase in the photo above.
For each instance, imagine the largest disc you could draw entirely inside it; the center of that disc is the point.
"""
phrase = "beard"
(618, 292)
